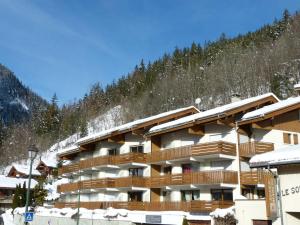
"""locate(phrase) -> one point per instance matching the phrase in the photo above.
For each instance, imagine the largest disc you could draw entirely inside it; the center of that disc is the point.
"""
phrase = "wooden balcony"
(121, 182)
(103, 160)
(254, 177)
(193, 206)
(250, 149)
(211, 148)
(202, 177)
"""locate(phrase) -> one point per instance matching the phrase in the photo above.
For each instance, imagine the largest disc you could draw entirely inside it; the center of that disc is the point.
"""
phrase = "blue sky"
(64, 46)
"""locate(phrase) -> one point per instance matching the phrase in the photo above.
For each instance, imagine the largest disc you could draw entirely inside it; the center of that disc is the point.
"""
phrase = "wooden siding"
(103, 160)
(250, 149)
(202, 177)
(105, 183)
(218, 147)
(193, 206)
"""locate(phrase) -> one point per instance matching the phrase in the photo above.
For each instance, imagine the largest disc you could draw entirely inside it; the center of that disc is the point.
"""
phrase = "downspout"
(278, 193)
(238, 157)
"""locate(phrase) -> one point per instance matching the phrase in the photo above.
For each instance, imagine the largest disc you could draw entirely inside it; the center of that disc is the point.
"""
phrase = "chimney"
(297, 89)
(235, 97)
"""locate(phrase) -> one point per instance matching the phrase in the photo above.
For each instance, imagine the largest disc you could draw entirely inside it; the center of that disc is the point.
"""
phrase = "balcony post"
(238, 157)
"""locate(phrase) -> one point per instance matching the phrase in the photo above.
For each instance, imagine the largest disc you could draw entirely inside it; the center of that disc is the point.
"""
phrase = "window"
(186, 168)
(113, 151)
(248, 193)
(168, 170)
(261, 193)
(295, 137)
(136, 172)
(221, 195)
(137, 149)
(287, 138)
(190, 195)
(135, 196)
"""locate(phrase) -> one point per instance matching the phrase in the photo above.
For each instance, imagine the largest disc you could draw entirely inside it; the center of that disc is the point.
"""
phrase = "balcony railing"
(250, 149)
(105, 183)
(254, 177)
(218, 147)
(202, 177)
(193, 206)
(103, 160)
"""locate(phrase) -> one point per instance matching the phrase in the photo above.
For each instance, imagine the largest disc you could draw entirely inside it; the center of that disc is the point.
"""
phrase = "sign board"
(271, 196)
(28, 216)
(155, 219)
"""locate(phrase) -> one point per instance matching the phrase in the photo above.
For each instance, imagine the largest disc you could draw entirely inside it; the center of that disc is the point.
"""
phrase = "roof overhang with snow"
(271, 111)
(138, 126)
(12, 182)
(218, 113)
(284, 156)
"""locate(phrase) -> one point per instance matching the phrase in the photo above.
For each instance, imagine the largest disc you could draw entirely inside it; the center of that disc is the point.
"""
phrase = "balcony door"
(190, 195)
(136, 196)
(221, 195)
(136, 172)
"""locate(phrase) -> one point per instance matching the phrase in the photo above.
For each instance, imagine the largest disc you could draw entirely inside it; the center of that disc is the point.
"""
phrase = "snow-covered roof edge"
(130, 125)
(286, 155)
(25, 169)
(209, 113)
(74, 148)
(270, 108)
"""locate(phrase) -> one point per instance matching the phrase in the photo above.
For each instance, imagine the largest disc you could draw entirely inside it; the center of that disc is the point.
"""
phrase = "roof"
(49, 160)
(68, 150)
(297, 86)
(262, 112)
(12, 182)
(212, 113)
(286, 155)
(24, 169)
(134, 125)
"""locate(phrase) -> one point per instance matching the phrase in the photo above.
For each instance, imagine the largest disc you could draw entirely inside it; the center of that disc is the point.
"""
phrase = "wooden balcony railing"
(202, 177)
(254, 177)
(103, 160)
(193, 206)
(105, 183)
(250, 149)
(218, 147)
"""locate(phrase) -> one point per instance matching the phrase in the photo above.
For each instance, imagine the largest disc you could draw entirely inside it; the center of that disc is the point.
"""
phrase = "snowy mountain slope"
(17, 102)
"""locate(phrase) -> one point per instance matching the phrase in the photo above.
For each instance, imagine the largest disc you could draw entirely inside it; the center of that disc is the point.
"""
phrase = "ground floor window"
(221, 195)
(262, 222)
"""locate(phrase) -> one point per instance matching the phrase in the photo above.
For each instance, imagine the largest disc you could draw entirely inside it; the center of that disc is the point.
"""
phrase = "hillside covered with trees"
(267, 60)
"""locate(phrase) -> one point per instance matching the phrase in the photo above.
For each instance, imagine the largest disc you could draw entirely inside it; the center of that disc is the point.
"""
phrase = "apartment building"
(183, 160)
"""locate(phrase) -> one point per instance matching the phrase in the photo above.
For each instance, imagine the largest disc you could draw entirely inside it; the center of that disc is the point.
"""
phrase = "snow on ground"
(209, 113)
(111, 118)
(285, 155)
(130, 125)
(8, 217)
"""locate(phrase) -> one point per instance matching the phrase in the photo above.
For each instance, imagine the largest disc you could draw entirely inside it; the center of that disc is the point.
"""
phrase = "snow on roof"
(131, 125)
(49, 159)
(286, 155)
(297, 85)
(12, 182)
(72, 148)
(209, 113)
(271, 108)
(25, 169)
